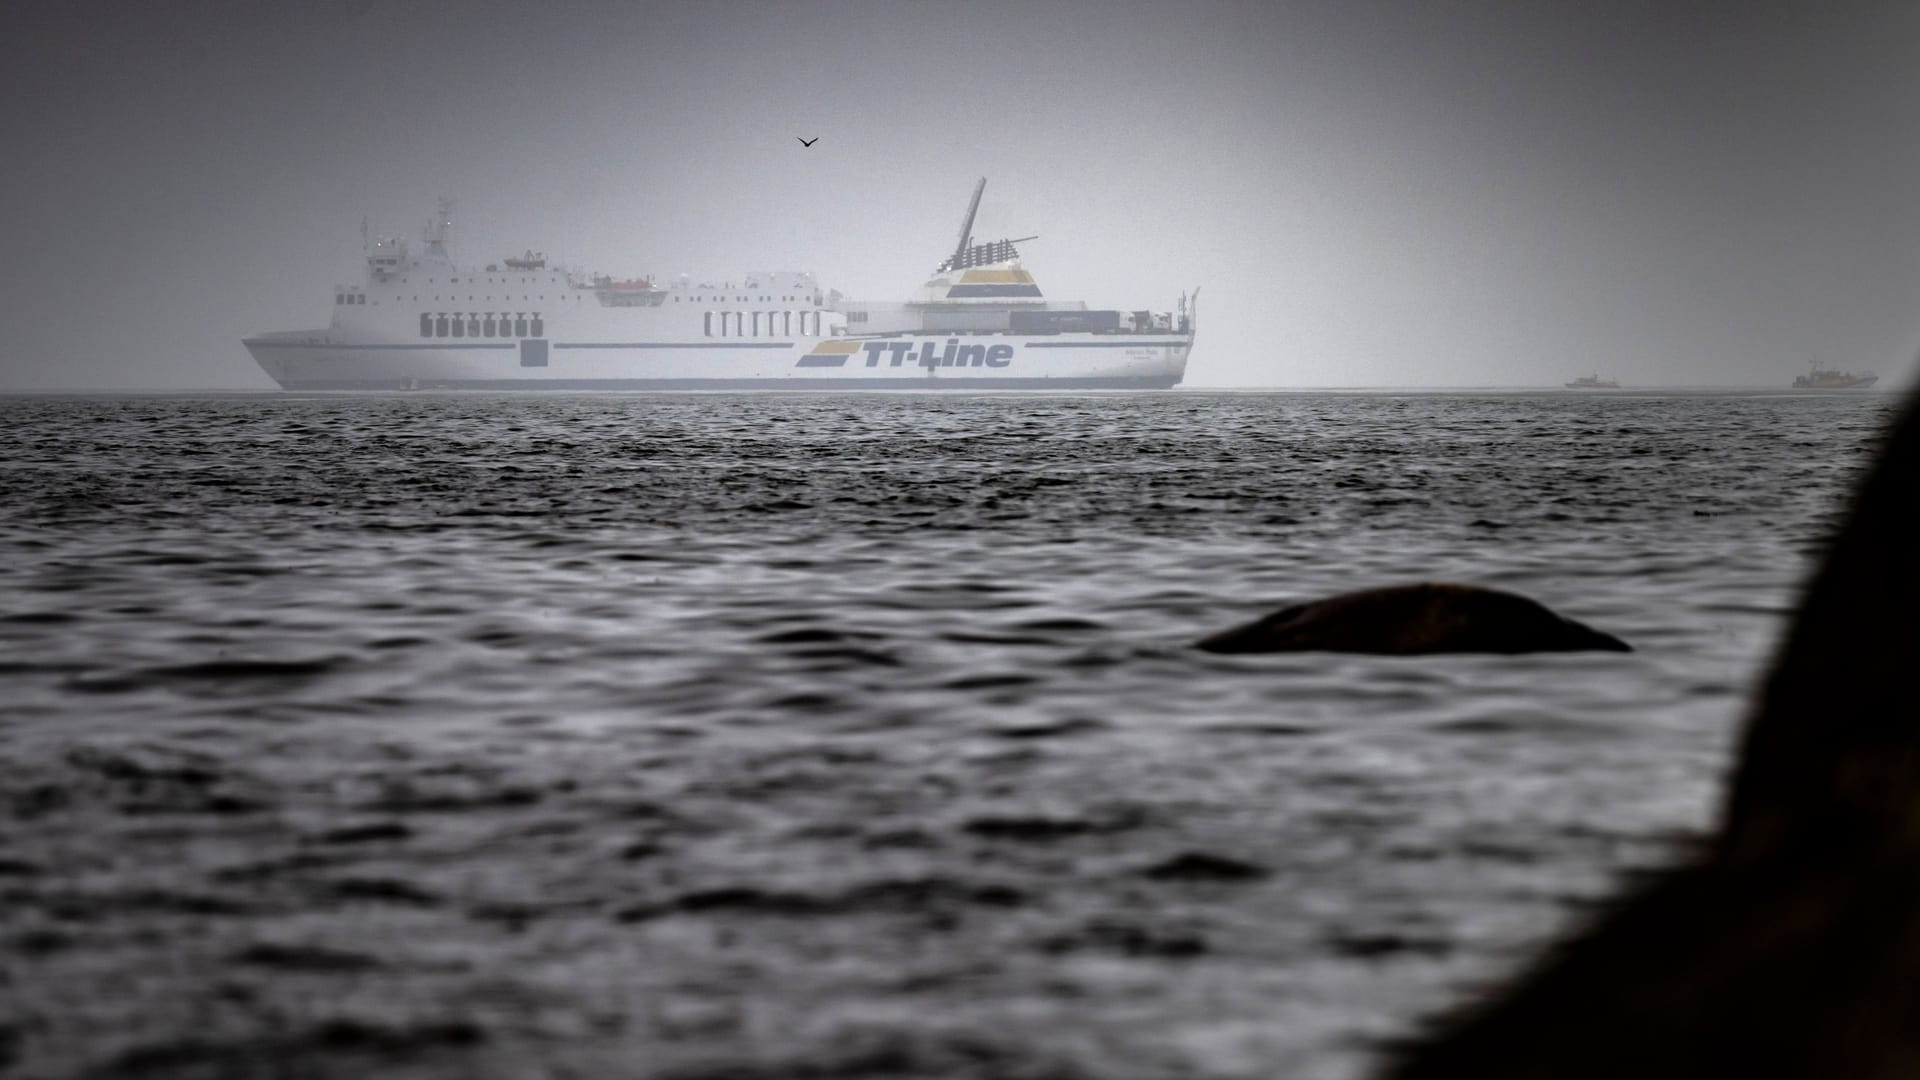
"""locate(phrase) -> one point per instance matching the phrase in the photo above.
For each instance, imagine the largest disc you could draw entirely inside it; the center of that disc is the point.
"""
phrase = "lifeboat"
(529, 261)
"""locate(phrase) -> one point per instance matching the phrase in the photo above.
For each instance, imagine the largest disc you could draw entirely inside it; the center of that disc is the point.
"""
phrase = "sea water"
(773, 735)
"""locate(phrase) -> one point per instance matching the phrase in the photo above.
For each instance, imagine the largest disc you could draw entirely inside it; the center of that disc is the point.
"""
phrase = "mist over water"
(772, 736)
(1369, 193)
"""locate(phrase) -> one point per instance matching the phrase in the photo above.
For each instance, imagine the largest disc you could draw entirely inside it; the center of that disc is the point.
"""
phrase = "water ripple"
(770, 735)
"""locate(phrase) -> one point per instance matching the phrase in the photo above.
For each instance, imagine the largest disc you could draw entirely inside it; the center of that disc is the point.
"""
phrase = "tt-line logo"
(901, 353)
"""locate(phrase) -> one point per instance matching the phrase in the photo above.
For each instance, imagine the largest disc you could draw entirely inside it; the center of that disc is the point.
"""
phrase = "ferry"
(1593, 382)
(417, 319)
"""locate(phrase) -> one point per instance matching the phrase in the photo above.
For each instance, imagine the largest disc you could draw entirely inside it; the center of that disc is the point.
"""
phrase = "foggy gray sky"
(1370, 194)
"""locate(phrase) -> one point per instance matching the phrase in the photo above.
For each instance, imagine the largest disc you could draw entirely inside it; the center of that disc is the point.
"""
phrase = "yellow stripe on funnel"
(996, 277)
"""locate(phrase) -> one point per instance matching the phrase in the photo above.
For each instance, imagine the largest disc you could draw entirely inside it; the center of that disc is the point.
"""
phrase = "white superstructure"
(418, 319)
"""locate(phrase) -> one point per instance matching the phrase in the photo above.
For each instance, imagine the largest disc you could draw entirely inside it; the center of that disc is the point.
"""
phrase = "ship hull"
(1861, 383)
(319, 360)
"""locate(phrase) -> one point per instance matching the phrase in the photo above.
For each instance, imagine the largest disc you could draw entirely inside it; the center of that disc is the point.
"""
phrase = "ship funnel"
(967, 253)
(966, 224)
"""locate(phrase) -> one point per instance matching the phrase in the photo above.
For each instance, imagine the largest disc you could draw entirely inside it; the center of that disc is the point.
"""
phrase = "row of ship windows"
(709, 298)
(690, 299)
(478, 325)
(509, 299)
(762, 323)
(503, 281)
(361, 298)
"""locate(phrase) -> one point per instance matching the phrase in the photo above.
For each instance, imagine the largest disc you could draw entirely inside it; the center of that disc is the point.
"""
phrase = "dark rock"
(1413, 620)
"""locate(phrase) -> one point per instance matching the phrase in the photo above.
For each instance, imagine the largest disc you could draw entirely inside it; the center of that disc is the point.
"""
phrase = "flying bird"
(808, 142)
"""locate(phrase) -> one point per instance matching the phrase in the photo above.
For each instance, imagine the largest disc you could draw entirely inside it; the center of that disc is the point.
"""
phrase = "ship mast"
(437, 228)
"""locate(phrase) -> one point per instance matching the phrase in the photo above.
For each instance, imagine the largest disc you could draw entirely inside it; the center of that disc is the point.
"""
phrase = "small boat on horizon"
(1834, 379)
(1593, 382)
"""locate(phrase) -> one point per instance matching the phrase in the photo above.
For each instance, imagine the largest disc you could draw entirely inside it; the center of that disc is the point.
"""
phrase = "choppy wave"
(773, 736)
